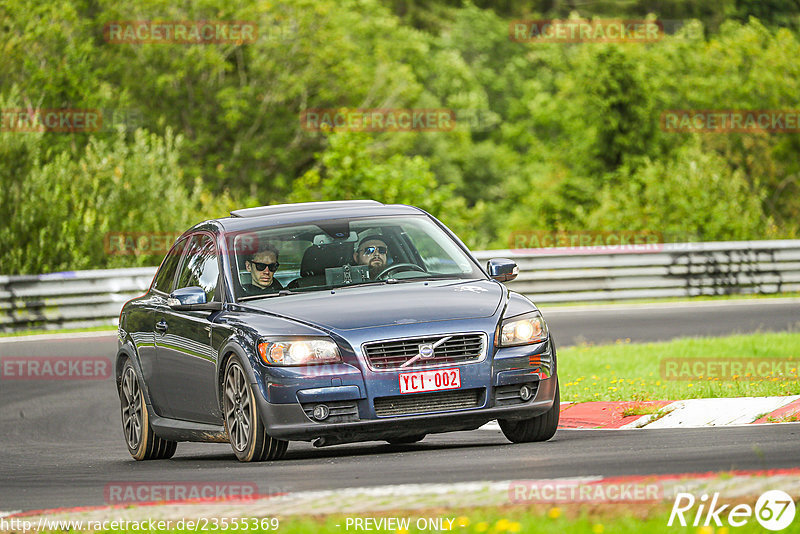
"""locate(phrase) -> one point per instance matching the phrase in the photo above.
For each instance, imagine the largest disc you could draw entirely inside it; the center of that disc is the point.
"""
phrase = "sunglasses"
(261, 266)
(367, 251)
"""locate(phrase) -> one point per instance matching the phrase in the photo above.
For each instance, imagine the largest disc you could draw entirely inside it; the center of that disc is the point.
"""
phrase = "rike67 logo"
(774, 510)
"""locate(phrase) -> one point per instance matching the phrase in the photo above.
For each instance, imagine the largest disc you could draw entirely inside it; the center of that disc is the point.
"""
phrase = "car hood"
(390, 304)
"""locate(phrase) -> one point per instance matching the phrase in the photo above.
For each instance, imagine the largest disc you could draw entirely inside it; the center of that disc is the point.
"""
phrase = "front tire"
(247, 434)
(539, 428)
(142, 442)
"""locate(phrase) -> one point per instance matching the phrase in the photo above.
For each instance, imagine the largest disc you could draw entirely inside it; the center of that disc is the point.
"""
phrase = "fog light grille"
(508, 395)
(339, 411)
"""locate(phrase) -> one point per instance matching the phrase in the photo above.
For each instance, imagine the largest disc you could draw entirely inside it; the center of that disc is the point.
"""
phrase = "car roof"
(280, 214)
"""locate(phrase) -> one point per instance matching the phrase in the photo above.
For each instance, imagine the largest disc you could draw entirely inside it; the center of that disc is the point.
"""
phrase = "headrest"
(317, 258)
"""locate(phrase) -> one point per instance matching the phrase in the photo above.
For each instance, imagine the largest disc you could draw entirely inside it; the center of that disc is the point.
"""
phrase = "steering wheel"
(397, 267)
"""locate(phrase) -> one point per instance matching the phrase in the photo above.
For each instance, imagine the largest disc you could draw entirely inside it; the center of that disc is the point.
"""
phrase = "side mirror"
(502, 269)
(191, 298)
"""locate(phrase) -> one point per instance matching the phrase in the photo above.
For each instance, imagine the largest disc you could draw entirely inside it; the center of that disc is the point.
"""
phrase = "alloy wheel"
(237, 407)
(131, 408)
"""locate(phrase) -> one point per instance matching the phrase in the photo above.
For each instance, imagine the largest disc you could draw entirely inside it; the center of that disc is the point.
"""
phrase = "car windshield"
(345, 252)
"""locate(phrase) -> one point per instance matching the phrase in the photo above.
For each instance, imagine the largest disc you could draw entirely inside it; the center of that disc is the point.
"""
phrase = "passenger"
(262, 266)
(372, 251)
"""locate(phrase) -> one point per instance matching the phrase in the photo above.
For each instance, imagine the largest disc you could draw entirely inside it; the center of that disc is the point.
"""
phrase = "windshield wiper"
(360, 284)
(428, 278)
(281, 293)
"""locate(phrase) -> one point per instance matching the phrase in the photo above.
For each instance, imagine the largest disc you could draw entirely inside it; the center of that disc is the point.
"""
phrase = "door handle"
(161, 326)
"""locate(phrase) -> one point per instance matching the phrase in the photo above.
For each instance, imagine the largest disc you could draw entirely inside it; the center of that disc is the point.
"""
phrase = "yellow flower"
(401, 531)
(502, 525)
(723, 530)
(514, 527)
(463, 521)
(554, 513)
(705, 530)
(597, 528)
(481, 527)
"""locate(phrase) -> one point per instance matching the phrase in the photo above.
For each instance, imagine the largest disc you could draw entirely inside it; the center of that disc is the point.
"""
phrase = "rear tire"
(142, 442)
(406, 439)
(539, 428)
(247, 434)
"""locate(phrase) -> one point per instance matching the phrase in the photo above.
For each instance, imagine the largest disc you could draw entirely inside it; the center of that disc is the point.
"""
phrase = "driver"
(372, 251)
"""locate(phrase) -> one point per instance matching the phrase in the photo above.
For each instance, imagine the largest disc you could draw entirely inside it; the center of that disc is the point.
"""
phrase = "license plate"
(435, 380)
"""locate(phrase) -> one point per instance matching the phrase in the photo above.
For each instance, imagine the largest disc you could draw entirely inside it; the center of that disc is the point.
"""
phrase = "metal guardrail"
(657, 271)
(93, 298)
(70, 299)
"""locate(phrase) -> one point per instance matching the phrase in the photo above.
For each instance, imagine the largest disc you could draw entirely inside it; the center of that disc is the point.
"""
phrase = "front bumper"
(367, 406)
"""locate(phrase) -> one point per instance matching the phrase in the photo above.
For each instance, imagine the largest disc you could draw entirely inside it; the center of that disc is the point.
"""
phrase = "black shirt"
(252, 289)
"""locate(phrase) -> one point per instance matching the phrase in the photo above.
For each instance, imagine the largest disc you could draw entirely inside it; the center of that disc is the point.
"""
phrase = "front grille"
(340, 411)
(459, 348)
(508, 395)
(421, 403)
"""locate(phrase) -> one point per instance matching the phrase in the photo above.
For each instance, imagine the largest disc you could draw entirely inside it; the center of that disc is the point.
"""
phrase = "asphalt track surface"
(61, 441)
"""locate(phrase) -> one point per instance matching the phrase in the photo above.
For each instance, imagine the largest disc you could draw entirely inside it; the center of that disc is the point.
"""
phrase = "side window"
(166, 274)
(200, 266)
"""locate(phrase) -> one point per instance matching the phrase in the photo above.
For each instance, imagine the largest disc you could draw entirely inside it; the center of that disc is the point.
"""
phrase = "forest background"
(548, 136)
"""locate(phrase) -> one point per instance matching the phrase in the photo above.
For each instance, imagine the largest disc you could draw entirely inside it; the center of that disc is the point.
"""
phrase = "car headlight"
(298, 352)
(522, 330)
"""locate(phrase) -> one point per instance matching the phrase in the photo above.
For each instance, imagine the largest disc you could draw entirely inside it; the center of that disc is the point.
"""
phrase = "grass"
(633, 372)
(537, 518)
(543, 519)
(639, 410)
(791, 418)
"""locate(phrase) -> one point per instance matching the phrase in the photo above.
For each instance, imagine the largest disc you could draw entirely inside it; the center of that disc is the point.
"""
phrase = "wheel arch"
(228, 350)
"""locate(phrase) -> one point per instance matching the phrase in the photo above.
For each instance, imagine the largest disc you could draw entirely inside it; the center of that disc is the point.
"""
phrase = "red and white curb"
(715, 412)
(691, 413)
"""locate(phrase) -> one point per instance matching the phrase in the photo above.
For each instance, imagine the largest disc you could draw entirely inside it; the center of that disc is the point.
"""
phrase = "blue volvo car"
(330, 322)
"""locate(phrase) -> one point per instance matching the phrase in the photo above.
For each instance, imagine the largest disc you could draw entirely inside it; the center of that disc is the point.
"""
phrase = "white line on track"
(58, 337)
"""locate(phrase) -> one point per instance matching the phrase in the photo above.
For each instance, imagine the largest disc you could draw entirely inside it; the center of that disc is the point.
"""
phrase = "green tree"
(346, 171)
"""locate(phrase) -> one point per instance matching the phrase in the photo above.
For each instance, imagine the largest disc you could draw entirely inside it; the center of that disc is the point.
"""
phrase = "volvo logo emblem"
(426, 350)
